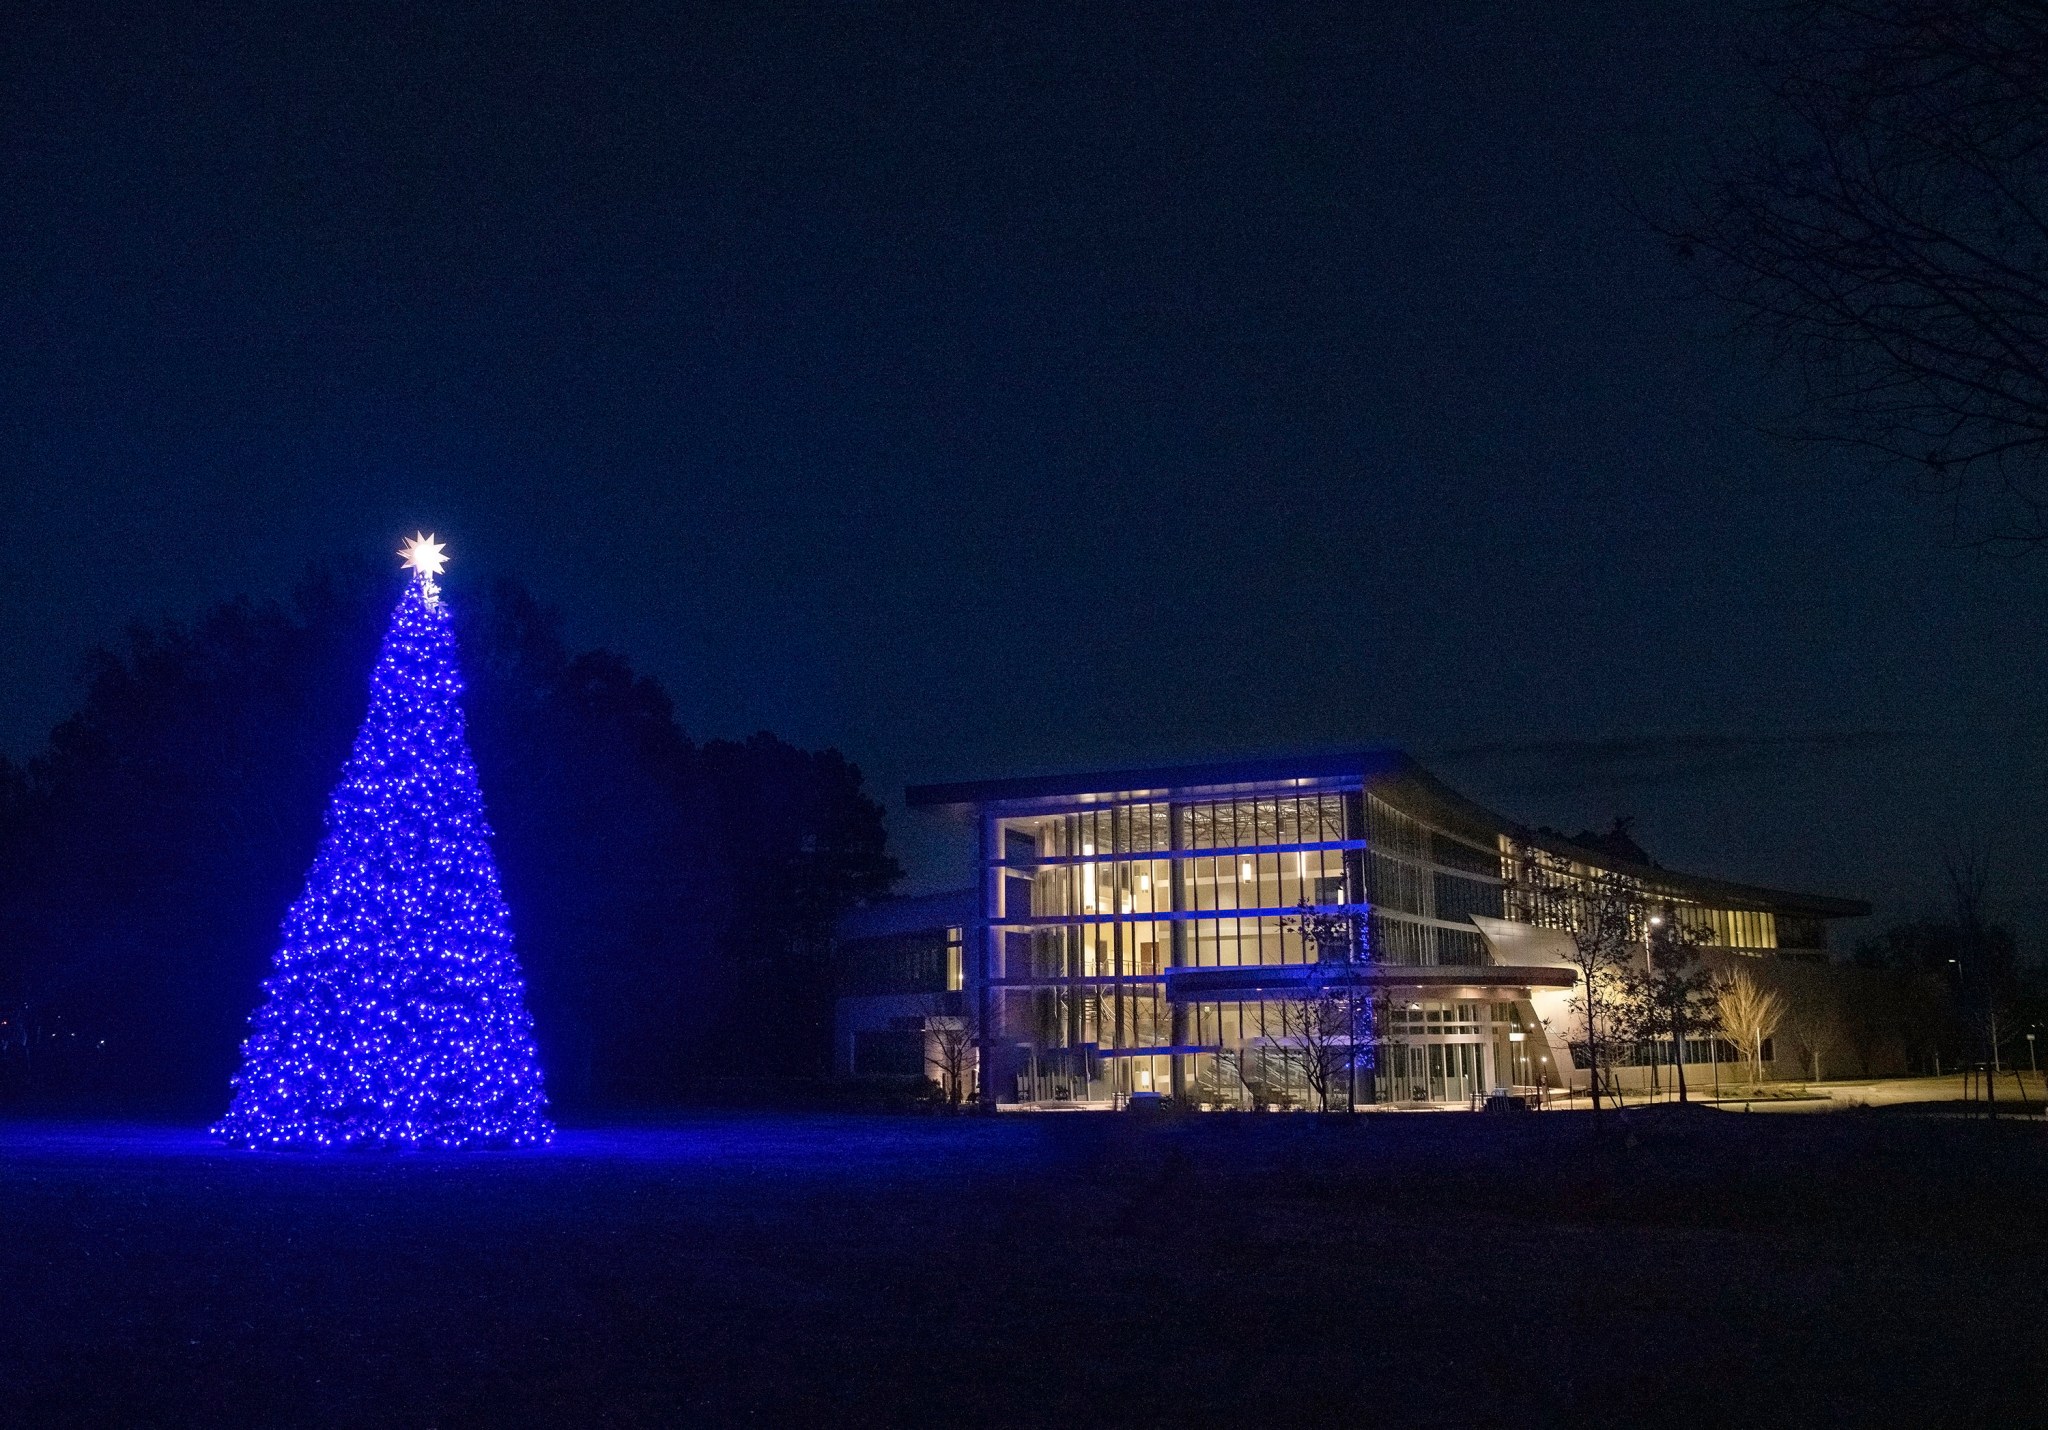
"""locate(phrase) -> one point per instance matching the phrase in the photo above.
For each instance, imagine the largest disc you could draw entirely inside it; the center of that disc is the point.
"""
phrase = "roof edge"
(1265, 769)
(1371, 762)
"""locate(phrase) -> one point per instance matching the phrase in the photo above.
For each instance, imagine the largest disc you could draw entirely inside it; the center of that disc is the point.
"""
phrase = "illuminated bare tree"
(1751, 1013)
(949, 1049)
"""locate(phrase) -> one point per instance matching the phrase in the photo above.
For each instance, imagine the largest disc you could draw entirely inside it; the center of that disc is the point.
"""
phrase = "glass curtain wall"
(1093, 900)
(1546, 889)
(1099, 901)
(1733, 928)
(1425, 884)
(1085, 946)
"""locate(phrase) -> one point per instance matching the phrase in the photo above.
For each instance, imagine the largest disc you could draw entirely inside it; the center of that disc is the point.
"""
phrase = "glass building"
(1321, 932)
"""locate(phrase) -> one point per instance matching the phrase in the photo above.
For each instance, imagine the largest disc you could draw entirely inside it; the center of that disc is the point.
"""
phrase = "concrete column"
(1177, 1013)
(982, 959)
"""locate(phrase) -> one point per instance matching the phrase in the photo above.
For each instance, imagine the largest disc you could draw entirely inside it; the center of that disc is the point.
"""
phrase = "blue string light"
(394, 1015)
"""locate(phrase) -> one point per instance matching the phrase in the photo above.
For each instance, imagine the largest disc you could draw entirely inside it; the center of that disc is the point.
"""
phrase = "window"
(923, 962)
(1734, 928)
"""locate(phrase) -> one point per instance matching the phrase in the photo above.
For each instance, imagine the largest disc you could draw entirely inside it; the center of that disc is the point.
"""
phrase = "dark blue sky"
(986, 390)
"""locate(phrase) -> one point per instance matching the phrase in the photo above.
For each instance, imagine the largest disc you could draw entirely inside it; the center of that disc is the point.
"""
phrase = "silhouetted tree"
(1315, 1034)
(1605, 919)
(168, 824)
(1987, 976)
(1674, 992)
(1815, 1016)
(1887, 234)
(1330, 1029)
(654, 883)
(609, 860)
(1928, 946)
(949, 1047)
(1909, 987)
(803, 844)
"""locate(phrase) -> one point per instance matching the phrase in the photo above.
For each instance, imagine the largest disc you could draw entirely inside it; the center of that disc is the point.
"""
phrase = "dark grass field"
(1694, 1269)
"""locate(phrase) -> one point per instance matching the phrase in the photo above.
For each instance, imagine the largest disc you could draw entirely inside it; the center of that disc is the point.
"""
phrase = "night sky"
(987, 390)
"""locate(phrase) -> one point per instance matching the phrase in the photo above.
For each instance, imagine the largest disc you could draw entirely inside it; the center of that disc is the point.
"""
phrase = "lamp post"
(1649, 973)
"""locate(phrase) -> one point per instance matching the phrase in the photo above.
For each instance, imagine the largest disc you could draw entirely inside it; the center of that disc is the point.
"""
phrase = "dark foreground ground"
(1703, 1269)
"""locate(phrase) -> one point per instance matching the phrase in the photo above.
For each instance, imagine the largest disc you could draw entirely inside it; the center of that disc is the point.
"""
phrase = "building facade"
(1178, 932)
(902, 971)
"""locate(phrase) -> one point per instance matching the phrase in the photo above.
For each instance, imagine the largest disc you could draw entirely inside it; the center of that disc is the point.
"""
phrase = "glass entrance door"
(1457, 1072)
(1436, 1071)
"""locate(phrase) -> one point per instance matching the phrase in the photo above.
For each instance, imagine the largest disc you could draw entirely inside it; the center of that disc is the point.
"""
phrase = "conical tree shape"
(395, 1014)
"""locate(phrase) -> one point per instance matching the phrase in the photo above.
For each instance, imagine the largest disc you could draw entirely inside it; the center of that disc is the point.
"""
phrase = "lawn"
(1079, 1270)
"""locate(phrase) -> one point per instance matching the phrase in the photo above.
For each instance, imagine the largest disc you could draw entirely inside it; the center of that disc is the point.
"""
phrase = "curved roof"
(1208, 780)
(1394, 776)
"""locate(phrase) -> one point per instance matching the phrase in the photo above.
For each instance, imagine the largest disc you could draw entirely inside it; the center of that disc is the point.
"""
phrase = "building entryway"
(1438, 1072)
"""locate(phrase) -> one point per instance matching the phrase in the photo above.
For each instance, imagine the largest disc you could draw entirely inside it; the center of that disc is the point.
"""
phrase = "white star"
(425, 555)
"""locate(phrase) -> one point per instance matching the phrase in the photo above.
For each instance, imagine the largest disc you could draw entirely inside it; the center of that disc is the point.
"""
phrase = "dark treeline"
(1979, 992)
(672, 901)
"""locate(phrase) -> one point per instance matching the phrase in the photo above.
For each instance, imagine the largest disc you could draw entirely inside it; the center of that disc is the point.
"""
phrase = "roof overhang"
(1267, 982)
(1394, 776)
(1216, 779)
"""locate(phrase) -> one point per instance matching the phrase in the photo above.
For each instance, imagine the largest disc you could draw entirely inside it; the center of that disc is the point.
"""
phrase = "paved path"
(1837, 1096)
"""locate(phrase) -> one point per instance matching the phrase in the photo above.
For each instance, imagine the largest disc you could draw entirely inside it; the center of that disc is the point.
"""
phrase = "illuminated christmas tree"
(394, 1014)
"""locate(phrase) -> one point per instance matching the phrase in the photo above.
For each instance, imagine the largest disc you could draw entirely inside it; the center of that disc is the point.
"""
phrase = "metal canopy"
(1257, 983)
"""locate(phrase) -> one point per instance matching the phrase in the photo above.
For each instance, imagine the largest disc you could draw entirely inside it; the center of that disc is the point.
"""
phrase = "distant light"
(1245, 870)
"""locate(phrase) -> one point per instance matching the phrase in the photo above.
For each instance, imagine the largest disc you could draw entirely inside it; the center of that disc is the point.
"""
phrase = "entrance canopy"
(1259, 983)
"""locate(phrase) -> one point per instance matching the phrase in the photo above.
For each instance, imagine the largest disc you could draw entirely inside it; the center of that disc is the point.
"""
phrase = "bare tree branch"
(1887, 238)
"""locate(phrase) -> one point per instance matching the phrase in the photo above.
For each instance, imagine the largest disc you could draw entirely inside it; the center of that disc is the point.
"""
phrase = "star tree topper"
(427, 556)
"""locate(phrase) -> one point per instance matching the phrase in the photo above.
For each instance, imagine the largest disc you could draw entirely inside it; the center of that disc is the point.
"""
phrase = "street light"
(1649, 970)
